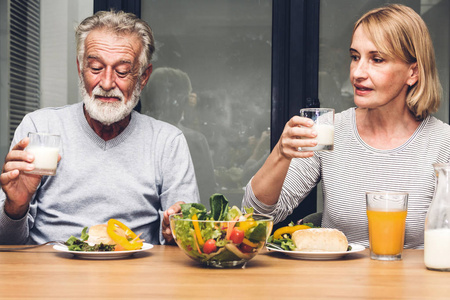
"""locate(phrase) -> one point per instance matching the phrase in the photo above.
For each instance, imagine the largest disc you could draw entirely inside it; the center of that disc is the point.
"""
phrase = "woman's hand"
(18, 186)
(268, 181)
(293, 137)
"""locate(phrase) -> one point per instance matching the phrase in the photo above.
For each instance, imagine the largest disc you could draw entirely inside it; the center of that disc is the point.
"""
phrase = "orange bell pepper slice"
(123, 241)
(249, 243)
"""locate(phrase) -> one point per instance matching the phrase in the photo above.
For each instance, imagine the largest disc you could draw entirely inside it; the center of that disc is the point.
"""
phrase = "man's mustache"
(99, 92)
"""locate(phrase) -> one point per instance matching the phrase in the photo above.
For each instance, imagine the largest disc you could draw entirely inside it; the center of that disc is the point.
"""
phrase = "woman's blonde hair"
(121, 23)
(399, 32)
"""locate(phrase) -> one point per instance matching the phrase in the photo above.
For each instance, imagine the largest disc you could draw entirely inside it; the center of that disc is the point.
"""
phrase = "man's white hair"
(120, 23)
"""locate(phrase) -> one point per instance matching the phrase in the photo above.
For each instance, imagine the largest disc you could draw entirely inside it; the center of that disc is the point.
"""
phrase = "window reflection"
(224, 48)
(169, 98)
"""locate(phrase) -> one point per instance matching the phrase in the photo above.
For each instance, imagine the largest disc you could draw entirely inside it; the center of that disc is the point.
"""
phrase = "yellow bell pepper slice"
(134, 244)
(198, 233)
(246, 225)
(288, 229)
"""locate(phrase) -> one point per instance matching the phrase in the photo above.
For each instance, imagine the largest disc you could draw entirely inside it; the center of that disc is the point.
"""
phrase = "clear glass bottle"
(437, 222)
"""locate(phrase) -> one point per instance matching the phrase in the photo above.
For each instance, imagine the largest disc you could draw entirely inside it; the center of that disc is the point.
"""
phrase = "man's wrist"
(15, 212)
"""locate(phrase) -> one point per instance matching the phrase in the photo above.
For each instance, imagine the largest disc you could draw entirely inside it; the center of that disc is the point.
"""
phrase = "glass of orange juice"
(386, 215)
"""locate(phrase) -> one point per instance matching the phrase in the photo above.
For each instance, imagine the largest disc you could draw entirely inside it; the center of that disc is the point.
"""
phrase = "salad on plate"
(113, 236)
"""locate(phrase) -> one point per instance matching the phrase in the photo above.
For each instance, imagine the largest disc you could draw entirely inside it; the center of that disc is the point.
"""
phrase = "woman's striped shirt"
(354, 168)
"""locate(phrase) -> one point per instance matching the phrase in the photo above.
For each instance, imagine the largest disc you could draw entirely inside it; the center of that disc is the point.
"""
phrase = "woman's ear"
(413, 74)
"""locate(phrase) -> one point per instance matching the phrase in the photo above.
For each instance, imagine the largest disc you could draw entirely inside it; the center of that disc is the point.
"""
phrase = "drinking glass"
(45, 148)
(386, 215)
(324, 126)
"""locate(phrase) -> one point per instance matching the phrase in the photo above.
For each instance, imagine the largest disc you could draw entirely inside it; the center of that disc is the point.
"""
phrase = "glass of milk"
(324, 126)
(45, 148)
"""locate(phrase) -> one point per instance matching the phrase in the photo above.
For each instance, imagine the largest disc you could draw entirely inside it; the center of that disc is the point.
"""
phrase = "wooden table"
(164, 272)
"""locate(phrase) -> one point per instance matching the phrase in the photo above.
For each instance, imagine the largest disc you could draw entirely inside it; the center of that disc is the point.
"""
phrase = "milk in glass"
(45, 161)
(325, 137)
(324, 126)
(45, 148)
(437, 248)
(437, 222)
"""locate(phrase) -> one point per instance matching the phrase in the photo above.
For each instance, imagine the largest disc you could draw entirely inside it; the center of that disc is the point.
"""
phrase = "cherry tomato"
(209, 246)
(246, 248)
(237, 235)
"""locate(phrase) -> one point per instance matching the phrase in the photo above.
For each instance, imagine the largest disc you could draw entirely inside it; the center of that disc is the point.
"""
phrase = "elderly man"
(115, 162)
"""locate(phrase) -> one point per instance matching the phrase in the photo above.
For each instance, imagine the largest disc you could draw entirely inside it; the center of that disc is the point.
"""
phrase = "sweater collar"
(105, 145)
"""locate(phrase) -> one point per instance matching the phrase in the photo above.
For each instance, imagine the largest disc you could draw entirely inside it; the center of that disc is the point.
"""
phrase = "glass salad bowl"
(227, 241)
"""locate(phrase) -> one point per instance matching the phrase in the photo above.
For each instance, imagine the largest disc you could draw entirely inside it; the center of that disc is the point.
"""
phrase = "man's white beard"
(108, 113)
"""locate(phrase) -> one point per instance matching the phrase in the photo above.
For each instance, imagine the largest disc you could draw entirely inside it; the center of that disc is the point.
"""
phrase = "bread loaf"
(98, 234)
(320, 240)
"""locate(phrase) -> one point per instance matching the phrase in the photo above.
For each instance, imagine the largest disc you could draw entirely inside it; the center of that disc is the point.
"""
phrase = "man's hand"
(18, 186)
(167, 233)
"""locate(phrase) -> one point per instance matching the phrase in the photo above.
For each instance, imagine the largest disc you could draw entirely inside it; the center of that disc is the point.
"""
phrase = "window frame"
(295, 73)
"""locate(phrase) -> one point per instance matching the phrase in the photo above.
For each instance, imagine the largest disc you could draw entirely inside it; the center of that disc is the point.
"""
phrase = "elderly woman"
(389, 141)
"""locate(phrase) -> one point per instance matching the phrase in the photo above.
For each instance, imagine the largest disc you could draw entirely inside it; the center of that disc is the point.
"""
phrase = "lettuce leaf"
(219, 207)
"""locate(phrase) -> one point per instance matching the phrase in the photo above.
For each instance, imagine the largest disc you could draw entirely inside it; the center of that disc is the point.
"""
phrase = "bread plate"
(318, 255)
(103, 254)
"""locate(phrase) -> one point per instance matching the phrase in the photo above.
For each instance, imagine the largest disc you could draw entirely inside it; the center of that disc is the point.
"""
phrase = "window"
(24, 71)
(223, 51)
(251, 65)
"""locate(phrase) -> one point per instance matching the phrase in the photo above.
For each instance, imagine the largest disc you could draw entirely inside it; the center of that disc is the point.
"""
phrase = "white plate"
(319, 255)
(103, 254)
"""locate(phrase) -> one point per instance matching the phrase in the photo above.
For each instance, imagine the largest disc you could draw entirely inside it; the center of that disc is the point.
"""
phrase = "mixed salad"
(80, 244)
(222, 234)
(123, 238)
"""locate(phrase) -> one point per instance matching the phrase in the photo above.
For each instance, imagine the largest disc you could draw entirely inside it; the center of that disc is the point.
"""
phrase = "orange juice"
(386, 231)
